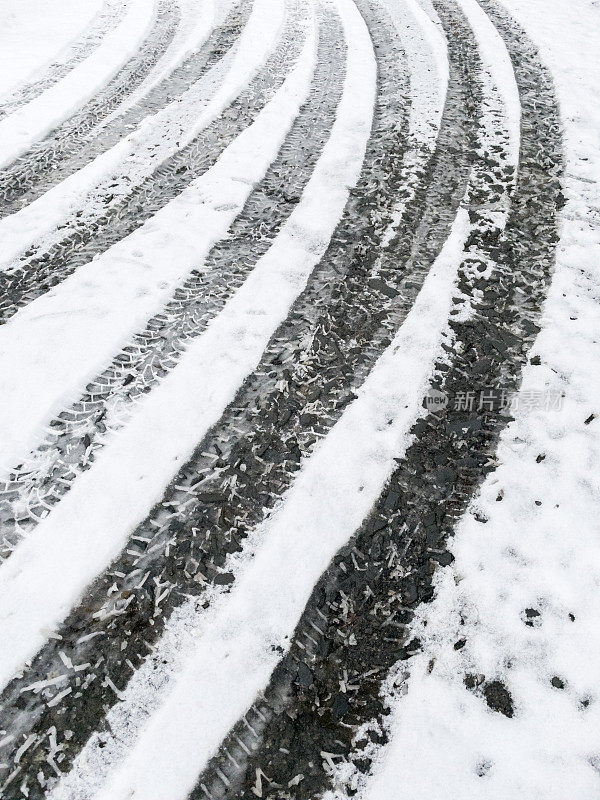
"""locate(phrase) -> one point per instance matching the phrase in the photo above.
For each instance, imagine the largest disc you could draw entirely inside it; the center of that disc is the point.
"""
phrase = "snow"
(112, 296)
(540, 548)
(499, 79)
(26, 45)
(90, 526)
(200, 19)
(139, 154)
(425, 47)
(334, 491)
(32, 122)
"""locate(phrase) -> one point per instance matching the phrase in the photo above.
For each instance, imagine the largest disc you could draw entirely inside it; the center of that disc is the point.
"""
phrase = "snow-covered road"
(299, 417)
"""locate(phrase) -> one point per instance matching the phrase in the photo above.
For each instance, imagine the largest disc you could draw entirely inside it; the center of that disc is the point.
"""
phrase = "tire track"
(108, 17)
(28, 495)
(340, 165)
(29, 168)
(170, 550)
(90, 238)
(77, 433)
(81, 139)
(331, 71)
(12, 503)
(323, 692)
(328, 688)
(315, 117)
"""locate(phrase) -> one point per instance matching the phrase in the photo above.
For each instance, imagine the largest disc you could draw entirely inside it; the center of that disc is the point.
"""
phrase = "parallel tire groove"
(106, 18)
(354, 302)
(34, 762)
(398, 547)
(286, 428)
(79, 432)
(74, 144)
(29, 169)
(24, 284)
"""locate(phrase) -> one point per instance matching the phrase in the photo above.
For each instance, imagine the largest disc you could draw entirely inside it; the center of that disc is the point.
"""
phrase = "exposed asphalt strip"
(299, 738)
(104, 20)
(80, 431)
(24, 284)
(274, 427)
(32, 173)
(85, 136)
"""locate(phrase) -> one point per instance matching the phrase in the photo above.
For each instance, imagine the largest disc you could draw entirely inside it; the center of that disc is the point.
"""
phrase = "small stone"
(499, 698)
(557, 683)
(304, 677)
(409, 591)
(341, 706)
(531, 613)
(362, 764)
(444, 559)
(224, 579)
(473, 680)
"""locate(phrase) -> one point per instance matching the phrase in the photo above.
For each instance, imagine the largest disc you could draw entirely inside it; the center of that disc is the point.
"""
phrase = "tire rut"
(39, 760)
(73, 145)
(80, 431)
(300, 737)
(107, 18)
(24, 284)
(214, 493)
(31, 167)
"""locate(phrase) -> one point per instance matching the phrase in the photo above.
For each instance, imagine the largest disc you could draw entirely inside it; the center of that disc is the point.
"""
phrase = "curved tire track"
(354, 629)
(84, 137)
(354, 302)
(309, 132)
(24, 284)
(30, 168)
(270, 440)
(105, 19)
(79, 432)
